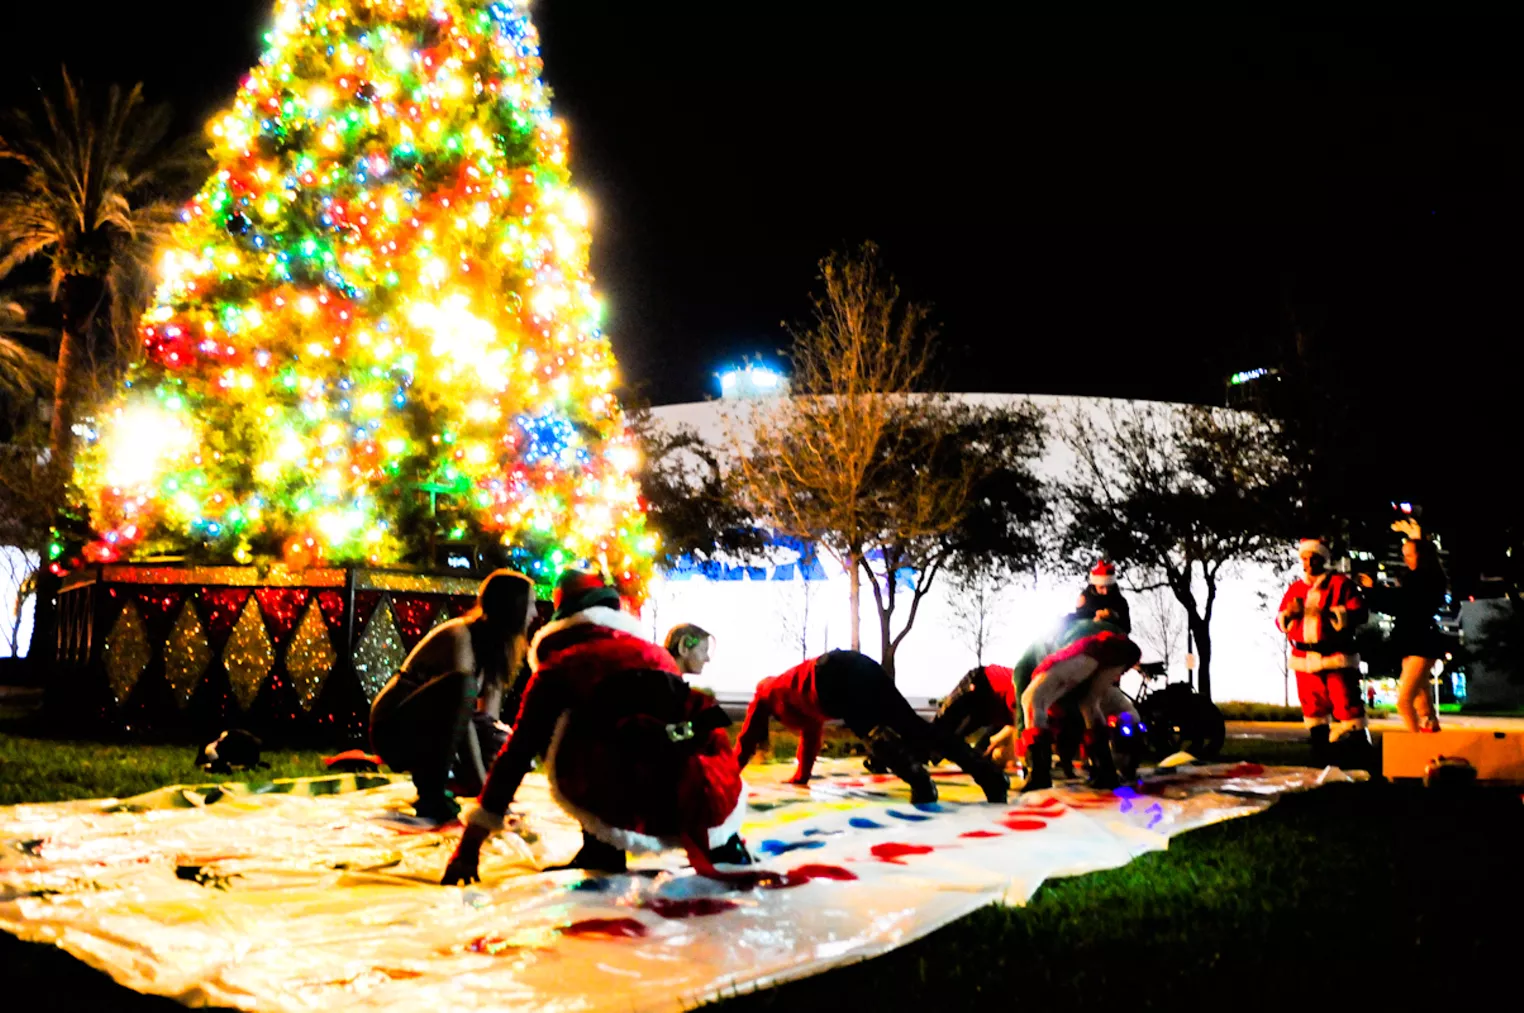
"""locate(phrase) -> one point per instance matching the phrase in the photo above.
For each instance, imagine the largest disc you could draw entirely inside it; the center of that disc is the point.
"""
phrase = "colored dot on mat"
(773, 847)
(982, 833)
(606, 928)
(930, 807)
(809, 873)
(892, 851)
(863, 823)
(909, 817)
(693, 907)
(1014, 824)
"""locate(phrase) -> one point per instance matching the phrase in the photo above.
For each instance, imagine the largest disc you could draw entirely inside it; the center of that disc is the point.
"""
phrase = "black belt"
(707, 720)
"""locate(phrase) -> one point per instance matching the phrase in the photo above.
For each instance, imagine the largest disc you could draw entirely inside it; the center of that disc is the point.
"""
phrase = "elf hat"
(1104, 574)
(579, 590)
(1314, 547)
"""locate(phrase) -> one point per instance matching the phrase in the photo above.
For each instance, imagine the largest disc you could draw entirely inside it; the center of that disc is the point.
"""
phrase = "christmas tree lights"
(375, 324)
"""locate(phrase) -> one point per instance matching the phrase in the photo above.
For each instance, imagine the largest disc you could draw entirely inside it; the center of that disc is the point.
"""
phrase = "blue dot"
(908, 817)
(783, 847)
(863, 823)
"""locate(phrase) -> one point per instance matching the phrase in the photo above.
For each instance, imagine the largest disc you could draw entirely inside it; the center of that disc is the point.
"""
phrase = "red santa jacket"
(792, 699)
(1320, 619)
(569, 659)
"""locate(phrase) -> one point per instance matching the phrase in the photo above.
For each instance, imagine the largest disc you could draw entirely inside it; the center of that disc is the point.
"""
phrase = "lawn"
(1346, 896)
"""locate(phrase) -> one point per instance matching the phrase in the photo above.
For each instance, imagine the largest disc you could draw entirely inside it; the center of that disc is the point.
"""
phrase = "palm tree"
(95, 197)
(96, 194)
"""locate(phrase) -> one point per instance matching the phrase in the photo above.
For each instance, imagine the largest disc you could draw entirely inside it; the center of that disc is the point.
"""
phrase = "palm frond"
(23, 372)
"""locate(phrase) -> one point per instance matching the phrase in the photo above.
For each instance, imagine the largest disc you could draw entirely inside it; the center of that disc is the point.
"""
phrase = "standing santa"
(1319, 615)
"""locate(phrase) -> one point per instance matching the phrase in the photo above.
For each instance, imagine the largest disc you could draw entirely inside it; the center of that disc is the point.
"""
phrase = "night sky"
(1094, 205)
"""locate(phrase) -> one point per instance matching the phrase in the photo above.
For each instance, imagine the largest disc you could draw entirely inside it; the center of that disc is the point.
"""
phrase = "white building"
(768, 618)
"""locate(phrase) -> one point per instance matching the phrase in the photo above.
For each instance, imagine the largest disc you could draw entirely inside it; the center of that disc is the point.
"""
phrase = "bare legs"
(1415, 702)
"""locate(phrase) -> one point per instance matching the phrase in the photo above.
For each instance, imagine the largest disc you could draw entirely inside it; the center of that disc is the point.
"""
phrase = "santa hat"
(578, 590)
(1103, 575)
(1314, 547)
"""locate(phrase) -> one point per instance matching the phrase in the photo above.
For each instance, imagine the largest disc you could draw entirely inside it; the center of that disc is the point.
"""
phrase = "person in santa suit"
(1068, 686)
(853, 688)
(1319, 615)
(642, 760)
(1102, 599)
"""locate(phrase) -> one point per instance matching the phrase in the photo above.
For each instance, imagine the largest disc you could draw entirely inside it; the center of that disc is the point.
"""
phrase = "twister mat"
(321, 894)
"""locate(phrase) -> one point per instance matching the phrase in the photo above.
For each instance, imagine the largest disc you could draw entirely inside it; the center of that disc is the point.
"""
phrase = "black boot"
(886, 747)
(732, 852)
(1039, 760)
(1102, 770)
(1317, 735)
(986, 774)
(595, 856)
(1353, 750)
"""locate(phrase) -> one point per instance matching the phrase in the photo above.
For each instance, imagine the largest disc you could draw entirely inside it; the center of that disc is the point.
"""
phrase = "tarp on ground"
(321, 894)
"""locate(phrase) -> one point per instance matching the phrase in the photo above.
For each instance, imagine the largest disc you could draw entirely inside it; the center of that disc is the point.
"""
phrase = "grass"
(1243, 710)
(38, 767)
(1345, 897)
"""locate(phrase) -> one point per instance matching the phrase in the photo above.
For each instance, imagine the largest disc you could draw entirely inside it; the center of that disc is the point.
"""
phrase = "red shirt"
(794, 701)
(1003, 681)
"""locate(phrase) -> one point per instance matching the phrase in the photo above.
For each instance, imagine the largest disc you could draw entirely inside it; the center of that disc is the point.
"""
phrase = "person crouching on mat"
(985, 702)
(1087, 670)
(441, 708)
(853, 688)
(641, 759)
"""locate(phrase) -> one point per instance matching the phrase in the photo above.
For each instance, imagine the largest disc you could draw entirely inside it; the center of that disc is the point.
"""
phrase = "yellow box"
(1497, 756)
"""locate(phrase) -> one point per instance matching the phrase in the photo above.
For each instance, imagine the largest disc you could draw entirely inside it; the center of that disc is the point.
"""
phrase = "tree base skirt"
(188, 651)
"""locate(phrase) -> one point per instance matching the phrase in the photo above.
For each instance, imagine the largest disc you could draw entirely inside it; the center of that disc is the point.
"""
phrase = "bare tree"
(977, 597)
(796, 603)
(810, 463)
(1158, 623)
(1182, 492)
(864, 461)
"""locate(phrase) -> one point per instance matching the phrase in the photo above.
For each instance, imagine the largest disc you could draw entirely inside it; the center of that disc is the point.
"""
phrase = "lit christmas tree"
(377, 313)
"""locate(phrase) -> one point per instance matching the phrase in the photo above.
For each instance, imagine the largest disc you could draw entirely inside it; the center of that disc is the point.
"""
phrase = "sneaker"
(732, 852)
(437, 810)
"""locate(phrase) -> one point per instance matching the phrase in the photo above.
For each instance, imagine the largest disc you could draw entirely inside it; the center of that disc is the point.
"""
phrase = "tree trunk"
(1201, 630)
(855, 596)
(886, 643)
(80, 296)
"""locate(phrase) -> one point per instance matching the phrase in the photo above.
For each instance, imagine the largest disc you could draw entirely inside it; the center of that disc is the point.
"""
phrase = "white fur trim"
(1313, 547)
(1312, 662)
(489, 822)
(1102, 581)
(630, 840)
(1308, 722)
(598, 615)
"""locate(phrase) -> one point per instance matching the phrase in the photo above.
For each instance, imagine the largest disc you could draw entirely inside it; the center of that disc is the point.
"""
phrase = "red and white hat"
(1314, 547)
(578, 589)
(1103, 574)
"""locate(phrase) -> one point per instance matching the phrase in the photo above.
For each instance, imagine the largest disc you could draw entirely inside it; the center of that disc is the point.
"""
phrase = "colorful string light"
(379, 298)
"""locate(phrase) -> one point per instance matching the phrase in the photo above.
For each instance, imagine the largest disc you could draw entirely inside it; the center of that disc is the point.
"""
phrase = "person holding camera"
(1412, 600)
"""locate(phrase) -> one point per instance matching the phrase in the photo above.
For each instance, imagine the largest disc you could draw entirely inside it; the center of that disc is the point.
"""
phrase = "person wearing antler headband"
(1412, 600)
